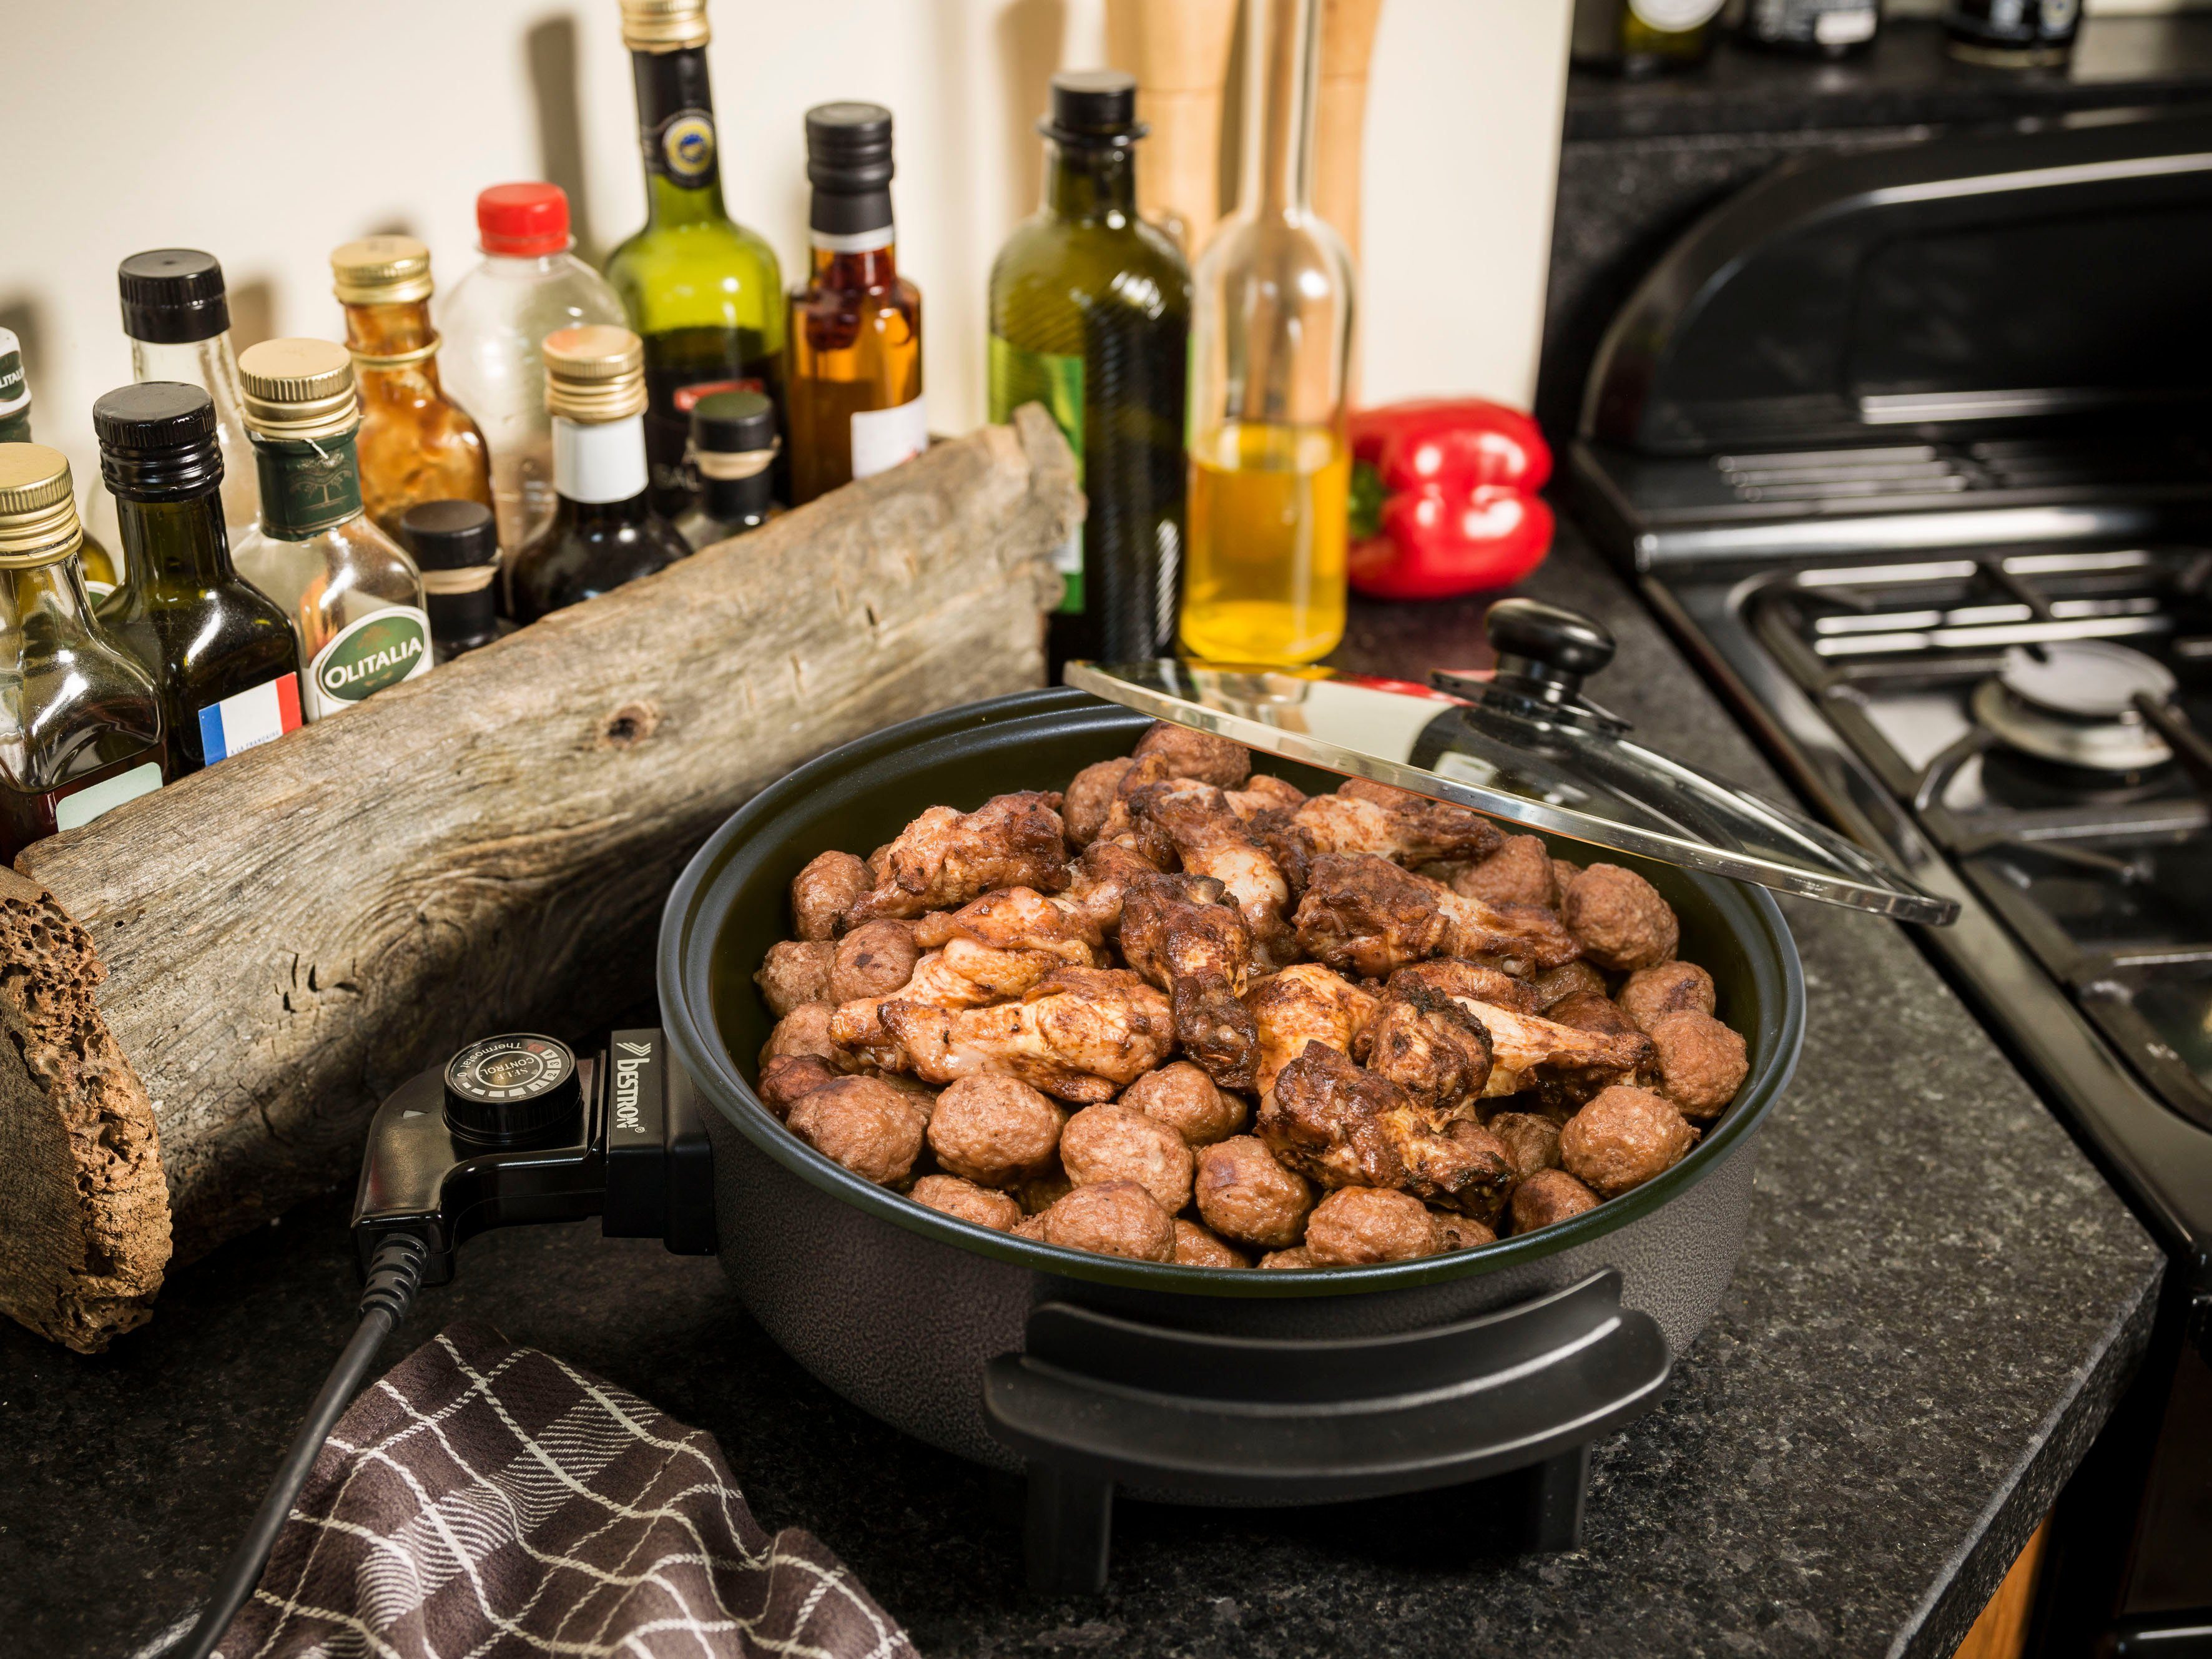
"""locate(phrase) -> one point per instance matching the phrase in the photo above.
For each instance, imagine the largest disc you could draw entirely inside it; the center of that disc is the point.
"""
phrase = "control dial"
(510, 1090)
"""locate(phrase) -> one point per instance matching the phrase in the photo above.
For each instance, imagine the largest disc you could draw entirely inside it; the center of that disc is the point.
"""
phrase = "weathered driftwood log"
(289, 935)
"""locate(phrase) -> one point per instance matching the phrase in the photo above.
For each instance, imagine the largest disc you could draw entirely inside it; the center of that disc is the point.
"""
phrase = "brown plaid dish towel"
(489, 1500)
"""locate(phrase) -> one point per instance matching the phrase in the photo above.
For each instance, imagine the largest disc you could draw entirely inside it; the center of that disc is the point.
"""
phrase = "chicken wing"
(1305, 1003)
(1363, 817)
(1209, 841)
(946, 858)
(1364, 914)
(1345, 1125)
(1528, 1049)
(1081, 1034)
(1179, 933)
(1428, 1045)
(1099, 883)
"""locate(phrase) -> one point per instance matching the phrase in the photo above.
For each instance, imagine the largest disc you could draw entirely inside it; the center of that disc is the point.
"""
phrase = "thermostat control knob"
(508, 1089)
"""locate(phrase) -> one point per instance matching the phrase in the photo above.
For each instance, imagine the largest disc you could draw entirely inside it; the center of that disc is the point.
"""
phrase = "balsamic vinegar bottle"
(733, 450)
(456, 546)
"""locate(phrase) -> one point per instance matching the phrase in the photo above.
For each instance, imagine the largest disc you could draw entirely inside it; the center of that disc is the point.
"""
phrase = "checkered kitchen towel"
(489, 1500)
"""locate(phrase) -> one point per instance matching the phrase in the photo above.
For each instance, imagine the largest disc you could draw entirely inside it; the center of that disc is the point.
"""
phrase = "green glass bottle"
(704, 293)
(221, 652)
(1090, 316)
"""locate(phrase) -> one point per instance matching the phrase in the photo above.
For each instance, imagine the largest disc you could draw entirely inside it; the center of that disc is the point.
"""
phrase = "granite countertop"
(1937, 1304)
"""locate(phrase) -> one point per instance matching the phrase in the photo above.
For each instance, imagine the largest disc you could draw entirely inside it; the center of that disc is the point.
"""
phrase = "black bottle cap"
(731, 422)
(450, 535)
(173, 296)
(1095, 107)
(511, 1090)
(848, 147)
(157, 441)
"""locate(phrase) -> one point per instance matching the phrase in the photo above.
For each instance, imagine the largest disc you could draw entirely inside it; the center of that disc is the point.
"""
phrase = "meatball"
(1519, 872)
(873, 960)
(1672, 987)
(796, 970)
(1245, 1196)
(1558, 984)
(786, 1078)
(1030, 1226)
(1199, 755)
(824, 891)
(1090, 797)
(1701, 1062)
(1549, 1195)
(1195, 1247)
(1039, 1192)
(1592, 1010)
(1623, 1138)
(804, 1031)
(1359, 1224)
(1619, 919)
(1184, 1098)
(1118, 1142)
(965, 1200)
(994, 1130)
(1531, 1143)
(1114, 1217)
(1293, 1258)
(863, 1123)
(918, 1095)
(1563, 871)
(1459, 1232)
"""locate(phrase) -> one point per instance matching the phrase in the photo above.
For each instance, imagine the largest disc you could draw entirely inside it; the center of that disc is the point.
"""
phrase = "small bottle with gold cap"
(604, 531)
(355, 598)
(417, 444)
(101, 578)
(81, 729)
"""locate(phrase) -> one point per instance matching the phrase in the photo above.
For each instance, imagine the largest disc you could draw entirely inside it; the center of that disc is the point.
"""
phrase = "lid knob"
(1548, 636)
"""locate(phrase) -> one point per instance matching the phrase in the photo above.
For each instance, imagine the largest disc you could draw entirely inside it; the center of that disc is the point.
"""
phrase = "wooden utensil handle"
(1179, 51)
(1348, 45)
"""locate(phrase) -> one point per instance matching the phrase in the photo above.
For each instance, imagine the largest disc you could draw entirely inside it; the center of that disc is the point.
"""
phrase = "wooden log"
(288, 936)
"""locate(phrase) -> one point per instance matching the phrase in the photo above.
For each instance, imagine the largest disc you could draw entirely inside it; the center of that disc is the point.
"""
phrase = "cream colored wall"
(268, 131)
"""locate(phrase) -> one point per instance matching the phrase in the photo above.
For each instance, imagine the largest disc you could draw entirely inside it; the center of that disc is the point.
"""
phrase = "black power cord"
(394, 1274)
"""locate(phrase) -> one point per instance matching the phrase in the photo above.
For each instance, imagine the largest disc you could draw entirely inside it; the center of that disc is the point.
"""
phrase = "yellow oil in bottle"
(1263, 581)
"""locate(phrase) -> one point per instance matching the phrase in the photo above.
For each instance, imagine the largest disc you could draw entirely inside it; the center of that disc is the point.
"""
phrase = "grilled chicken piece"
(1209, 841)
(1345, 1125)
(1474, 981)
(1305, 1003)
(946, 858)
(1263, 793)
(1528, 1049)
(1014, 919)
(1081, 1034)
(1363, 817)
(1429, 1046)
(1179, 932)
(1364, 914)
(1099, 882)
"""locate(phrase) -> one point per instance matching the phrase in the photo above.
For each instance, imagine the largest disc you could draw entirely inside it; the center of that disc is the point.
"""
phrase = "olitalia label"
(365, 657)
(306, 485)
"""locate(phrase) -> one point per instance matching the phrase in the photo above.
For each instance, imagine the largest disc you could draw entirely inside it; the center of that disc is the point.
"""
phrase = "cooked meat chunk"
(805, 1031)
(1672, 987)
(946, 858)
(1563, 871)
(1199, 755)
(1364, 915)
(1356, 1226)
(1263, 793)
(1472, 981)
(1619, 920)
(1429, 1046)
(1622, 1139)
(1347, 1126)
(968, 1201)
(1032, 1226)
(784, 1079)
(919, 1094)
(1701, 1063)
(1292, 1260)
(796, 970)
(1195, 1247)
(1099, 883)
(863, 1123)
(1274, 831)
(1363, 817)
(994, 1131)
(1184, 1098)
(873, 960)
(1039, 1192)
(1460, 1232)
(1247, 1197)
(1114, 1217)
(1083, 1034)
(1519, 872)
(1531, 1142)
(1090, 797)
(1012, 919)
(822, 894)
(1587, 1010)
(1557, 984)
(1178, 934)
(1527, 1050)
(1305, 1003)
(1208, 840)
(1119, 1143)
(1547, 1196)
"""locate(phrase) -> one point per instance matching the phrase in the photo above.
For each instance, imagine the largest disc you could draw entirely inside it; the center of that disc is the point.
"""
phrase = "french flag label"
(245, 718)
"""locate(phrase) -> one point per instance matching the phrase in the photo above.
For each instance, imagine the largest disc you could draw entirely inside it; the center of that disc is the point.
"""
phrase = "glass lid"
(1524, 745)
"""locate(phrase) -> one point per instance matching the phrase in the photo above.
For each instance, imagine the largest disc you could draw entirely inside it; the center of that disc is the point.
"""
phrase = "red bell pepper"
(1443, 498)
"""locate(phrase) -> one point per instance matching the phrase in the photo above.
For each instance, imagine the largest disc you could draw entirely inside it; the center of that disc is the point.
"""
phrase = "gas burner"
(2073, 702)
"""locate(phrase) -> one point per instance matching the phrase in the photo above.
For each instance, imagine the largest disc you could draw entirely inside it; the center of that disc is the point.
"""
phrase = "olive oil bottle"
(1090, 316)
(98, 567)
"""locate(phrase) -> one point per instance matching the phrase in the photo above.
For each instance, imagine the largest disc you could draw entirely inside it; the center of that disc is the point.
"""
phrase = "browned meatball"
(1090, 797)
(787, 1078)
(1292, 1259)
(824, 891)
(1245, 1195)
(1622, 1139)
(1184, 1098)
(1563, 871)
(1619, 919)
(873, 960)
(1701, 1062)
(804, 1031)
(1039, 1192)
(1519, 872)
(794, 971)
(1592, 1010)
(994, 1130)
(863, 1123)
(1116, 1143)
(918, 1095)
(1114, 1217)
(1549, 1195)
(1200, 755)
(1030, 1226)
(1558, 984)
(1355, 1225)
(1531, 1143)
(1195, 1247)
(1459, 1232)
(968, 1201)
(1672, 987)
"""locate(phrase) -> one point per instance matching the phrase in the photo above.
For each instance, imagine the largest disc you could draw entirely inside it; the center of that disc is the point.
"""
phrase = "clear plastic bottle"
(494, 323)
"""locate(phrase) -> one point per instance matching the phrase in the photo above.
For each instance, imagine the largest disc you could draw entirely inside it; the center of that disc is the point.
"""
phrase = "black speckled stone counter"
(1937, 1304)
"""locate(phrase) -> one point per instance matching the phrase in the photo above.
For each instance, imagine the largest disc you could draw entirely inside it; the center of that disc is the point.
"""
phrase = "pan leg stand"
(1070, 1530)
(1556, 1498)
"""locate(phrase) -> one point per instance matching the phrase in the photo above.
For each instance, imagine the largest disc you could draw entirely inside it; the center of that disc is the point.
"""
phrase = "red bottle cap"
(523, 219)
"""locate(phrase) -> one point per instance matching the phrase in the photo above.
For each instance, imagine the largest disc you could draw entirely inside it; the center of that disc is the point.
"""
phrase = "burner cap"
(2084, 679)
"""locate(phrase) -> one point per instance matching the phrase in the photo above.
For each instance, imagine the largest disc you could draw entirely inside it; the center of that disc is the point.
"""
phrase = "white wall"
(268, 131)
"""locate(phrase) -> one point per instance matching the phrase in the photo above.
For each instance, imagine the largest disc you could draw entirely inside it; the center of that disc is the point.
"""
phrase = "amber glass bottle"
(855, 398)
(417, 444)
